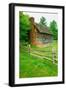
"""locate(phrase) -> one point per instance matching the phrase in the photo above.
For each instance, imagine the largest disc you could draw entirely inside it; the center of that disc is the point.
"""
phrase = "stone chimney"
(32, 32)
(32, 19)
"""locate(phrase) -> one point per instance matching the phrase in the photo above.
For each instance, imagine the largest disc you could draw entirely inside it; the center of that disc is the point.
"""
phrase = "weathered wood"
(53, 55)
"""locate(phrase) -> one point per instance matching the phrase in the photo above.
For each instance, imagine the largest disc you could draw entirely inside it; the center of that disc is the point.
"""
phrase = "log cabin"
(39, 35)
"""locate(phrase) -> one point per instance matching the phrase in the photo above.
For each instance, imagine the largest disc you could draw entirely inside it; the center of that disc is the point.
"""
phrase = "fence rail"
(44, 54)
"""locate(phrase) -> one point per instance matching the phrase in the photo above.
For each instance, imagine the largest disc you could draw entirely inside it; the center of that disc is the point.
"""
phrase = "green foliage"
(24, 27)
(54, 29)
(43, 21)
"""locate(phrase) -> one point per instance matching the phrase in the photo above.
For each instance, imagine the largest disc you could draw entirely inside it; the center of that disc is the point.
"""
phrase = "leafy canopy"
(54, 29)
(24, 26)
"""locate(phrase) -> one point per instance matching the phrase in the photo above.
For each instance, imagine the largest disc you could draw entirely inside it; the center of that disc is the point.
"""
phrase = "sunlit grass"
(31, 66)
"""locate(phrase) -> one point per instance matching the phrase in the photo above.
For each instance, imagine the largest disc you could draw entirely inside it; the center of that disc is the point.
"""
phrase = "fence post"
(53, 56)
(29, 49)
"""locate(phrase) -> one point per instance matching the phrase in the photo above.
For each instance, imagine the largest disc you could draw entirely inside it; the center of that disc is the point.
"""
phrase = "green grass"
(32, 66)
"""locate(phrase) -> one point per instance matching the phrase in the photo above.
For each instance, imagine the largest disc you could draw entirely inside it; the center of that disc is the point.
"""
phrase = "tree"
(54, 29)
(24, 25)
(43, 21)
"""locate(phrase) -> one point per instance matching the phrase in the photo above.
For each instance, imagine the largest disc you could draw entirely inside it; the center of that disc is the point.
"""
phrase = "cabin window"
(39, 39)
(43, 40)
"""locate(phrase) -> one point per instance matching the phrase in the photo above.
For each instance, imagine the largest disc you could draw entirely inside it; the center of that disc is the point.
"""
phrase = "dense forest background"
(25, 27)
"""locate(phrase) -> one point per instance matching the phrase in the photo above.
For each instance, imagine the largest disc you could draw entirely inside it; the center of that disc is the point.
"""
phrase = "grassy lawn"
(32, 66)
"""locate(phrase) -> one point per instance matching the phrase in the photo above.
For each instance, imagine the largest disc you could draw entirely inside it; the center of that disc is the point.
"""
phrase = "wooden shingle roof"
(42, 29)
